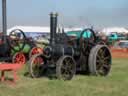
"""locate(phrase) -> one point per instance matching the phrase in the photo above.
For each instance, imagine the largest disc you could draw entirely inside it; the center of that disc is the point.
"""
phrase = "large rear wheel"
(100, 60)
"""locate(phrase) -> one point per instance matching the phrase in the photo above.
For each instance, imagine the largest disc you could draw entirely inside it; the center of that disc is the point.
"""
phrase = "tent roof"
(30, 29)
(37, 29)
(107, 31)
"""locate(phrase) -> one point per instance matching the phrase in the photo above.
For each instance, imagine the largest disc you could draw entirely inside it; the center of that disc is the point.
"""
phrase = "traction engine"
(65, 56)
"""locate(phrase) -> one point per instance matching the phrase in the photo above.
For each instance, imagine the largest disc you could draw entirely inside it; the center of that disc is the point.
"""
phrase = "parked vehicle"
(121, 44)
(116, 36)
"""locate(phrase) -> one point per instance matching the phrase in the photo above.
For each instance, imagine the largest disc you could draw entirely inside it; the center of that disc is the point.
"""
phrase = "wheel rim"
(67, 69)
(103, 61)
(37, 64)
(19, 58)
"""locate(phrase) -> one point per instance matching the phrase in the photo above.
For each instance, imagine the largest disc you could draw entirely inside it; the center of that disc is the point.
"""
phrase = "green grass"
(115, 84)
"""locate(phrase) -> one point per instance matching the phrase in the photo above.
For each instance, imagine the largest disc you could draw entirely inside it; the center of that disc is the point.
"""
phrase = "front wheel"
(65, 68)
(36, 65)
(19, 58)
(100, 60)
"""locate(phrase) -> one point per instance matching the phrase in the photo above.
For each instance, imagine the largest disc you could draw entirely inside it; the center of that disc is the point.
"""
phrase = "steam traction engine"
(7, 43)
(14, 45)
(65, 55)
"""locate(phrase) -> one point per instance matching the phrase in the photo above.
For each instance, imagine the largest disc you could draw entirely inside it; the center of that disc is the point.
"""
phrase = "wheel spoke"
(36, 69)
(106, 66)
(106, 58)
(102, 53)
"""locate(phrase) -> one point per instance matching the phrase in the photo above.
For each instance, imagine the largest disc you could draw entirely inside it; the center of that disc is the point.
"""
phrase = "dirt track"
(119, 53)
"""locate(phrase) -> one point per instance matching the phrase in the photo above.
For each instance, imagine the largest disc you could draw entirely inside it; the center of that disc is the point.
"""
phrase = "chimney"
(4, 19)
(53, 27)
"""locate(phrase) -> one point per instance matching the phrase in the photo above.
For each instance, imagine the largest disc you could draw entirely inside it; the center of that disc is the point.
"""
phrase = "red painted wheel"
(36, 65)
(38, 60)
(35, 50)
(19, 58)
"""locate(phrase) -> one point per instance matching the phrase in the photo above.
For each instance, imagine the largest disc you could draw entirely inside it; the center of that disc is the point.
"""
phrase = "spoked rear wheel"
(100, 60)
(65, 68)
(35, 65)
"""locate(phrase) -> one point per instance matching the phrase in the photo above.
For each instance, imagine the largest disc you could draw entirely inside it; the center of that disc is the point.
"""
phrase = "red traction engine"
(15, 47)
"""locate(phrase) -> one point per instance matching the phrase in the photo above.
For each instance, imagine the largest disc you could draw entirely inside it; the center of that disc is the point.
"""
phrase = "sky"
(72, 13)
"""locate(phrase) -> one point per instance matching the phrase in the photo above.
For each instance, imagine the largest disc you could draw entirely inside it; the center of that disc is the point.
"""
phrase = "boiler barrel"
(59, 50)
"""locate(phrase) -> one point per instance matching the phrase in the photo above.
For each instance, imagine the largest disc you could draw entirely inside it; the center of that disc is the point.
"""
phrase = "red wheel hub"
(19, 58)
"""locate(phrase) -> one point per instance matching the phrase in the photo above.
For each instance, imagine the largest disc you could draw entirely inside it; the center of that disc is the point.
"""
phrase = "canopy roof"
(30, 29)
(108, 31)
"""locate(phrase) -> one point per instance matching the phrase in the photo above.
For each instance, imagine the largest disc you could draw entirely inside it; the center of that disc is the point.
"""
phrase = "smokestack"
(53, 27)
(4, 19)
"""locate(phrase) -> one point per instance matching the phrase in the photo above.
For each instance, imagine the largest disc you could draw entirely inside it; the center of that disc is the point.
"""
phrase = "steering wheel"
(17, 40)
(87, 38)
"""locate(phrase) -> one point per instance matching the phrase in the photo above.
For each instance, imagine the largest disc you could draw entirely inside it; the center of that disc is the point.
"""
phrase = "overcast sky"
(100, 13)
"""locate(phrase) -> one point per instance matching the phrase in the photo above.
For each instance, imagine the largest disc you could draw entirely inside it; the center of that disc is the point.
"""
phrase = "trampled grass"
(115, 84)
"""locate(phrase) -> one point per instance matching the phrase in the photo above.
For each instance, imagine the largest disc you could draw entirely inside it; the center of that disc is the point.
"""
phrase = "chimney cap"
(54, 14)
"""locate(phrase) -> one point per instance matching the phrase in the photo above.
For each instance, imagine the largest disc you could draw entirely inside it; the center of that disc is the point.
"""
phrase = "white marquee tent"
(37, 29)
(108, 31)
(30, 29)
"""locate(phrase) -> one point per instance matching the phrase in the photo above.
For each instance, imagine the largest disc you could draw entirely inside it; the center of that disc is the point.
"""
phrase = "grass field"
(116, 84)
